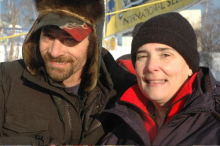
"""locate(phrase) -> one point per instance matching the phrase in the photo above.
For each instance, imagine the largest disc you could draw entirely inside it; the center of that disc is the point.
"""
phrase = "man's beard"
(58, 74)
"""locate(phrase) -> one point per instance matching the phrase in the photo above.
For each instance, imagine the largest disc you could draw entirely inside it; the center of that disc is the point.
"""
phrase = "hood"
(89, 11)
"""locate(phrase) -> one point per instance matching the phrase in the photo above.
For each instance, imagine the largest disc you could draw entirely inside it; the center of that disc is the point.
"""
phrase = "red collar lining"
(179, 101)
(134, 96)
(128, 64)
(186, 89)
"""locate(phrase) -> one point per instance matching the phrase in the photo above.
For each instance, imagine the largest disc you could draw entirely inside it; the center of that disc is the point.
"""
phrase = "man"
(57, 92)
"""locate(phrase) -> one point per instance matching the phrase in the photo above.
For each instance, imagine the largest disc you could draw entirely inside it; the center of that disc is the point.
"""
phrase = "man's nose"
(57, 48)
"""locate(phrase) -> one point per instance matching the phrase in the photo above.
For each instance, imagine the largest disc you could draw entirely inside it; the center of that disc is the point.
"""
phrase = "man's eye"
(70, 42)
(70, 39)
(48, 36)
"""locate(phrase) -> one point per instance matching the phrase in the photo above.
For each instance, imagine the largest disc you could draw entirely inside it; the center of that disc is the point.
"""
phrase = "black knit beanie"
(171, 29)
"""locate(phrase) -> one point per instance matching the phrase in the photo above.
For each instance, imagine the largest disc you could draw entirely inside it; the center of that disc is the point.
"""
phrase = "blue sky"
(216, 4)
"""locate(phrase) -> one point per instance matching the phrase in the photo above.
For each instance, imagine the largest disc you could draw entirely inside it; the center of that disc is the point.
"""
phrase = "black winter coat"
(34, 110)
(198, 123)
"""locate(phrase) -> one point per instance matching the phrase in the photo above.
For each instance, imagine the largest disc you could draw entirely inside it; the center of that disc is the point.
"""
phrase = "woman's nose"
(152, 64)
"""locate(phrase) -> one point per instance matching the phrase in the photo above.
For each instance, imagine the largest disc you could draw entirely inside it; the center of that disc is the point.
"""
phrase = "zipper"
(90, 132)
(82, 118)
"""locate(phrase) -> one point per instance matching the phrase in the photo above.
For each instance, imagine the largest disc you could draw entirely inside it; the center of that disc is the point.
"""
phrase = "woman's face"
(161, 71)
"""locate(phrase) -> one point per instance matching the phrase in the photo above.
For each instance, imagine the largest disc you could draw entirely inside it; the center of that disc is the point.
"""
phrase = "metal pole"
(206, 11)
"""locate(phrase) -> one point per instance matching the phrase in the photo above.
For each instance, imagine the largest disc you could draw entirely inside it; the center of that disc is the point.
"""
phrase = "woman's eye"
(140, 57)
(165, 55)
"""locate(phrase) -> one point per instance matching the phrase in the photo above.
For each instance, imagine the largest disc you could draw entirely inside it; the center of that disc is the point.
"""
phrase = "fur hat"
(90, 12)
(171, 29)
(87, 10)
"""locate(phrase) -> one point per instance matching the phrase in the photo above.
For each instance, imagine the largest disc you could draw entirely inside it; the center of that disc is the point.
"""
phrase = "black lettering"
(130, 18)
(125, 21)
(138, 15)
(177, 1)
(143, 15)
(154, 8)
(162, 6)
(151, 10)
(168, 3)
(134, 18)
(173, 2)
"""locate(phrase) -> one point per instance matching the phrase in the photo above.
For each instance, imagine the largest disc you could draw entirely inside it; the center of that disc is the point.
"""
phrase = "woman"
(175, 102)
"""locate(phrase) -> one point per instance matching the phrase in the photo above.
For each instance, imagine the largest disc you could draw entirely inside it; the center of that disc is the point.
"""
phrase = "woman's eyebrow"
(141, 51)
(160, 49)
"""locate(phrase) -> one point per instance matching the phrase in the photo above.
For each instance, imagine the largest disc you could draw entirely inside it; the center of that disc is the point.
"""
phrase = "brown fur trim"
(30, 50)
(92, 73)
(93, 10)
(31, 58)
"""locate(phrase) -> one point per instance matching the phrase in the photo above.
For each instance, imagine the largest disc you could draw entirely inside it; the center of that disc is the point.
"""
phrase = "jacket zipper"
(97, 126)
(88, 106)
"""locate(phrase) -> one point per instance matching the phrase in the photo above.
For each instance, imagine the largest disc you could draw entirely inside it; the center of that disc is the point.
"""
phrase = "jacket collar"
(135, 97)
(202, 96)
